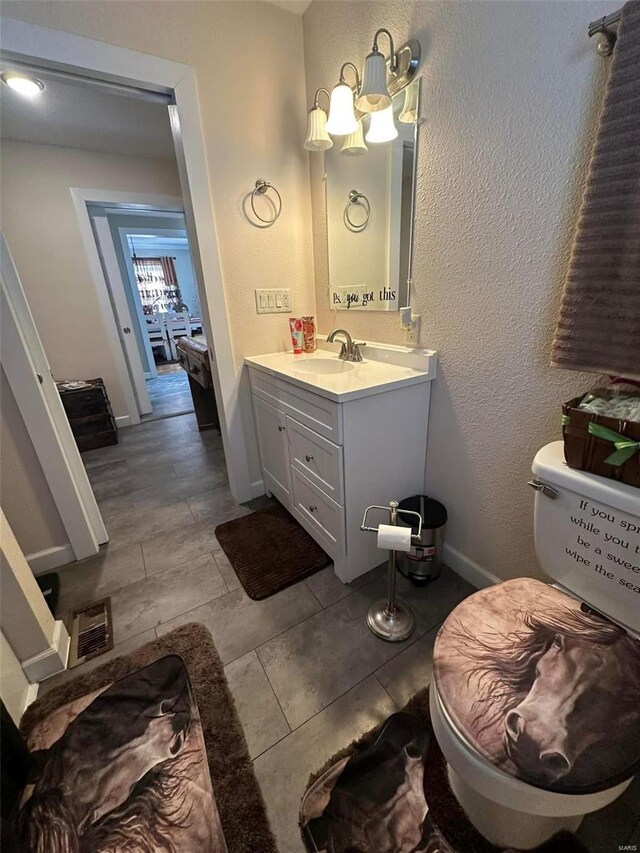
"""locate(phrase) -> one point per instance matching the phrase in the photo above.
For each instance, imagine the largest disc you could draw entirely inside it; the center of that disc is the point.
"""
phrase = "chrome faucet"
(350, 350)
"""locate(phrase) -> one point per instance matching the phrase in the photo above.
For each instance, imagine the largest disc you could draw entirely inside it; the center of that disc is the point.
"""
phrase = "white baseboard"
(52, 660)
(257, 488)
(123, 421)
(51, 558)
(472, 572)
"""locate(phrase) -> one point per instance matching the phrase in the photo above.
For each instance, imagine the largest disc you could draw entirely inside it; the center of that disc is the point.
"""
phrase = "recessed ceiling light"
(29, 87)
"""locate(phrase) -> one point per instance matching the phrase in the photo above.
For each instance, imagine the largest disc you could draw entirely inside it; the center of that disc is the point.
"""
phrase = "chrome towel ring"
(262, 187)
(360, 199)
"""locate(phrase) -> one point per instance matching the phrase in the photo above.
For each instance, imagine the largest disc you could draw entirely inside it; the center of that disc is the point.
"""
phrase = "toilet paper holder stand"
(391, 618)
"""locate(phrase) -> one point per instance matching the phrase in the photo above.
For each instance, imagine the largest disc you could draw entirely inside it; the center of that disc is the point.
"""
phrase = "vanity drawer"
(319, 414)
(321, 516)
(319, 459)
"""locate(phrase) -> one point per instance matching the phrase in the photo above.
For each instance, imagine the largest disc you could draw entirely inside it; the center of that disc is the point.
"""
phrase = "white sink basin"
(321, 366)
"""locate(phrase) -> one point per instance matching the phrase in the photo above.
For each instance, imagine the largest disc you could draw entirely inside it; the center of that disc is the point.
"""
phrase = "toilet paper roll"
(392, 538)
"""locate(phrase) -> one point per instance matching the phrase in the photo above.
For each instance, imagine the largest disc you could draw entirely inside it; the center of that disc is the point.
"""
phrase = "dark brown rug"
(240, 805)
(447, 826)
(269, 551)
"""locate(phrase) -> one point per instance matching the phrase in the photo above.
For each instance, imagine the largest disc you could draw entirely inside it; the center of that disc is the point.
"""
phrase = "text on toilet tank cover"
(607, 542)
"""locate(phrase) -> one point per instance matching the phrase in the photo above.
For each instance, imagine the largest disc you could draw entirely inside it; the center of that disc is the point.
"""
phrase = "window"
(157, 284)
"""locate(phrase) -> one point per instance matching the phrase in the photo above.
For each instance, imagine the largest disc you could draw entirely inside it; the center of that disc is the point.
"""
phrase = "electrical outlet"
(413, 328)
(273, 301)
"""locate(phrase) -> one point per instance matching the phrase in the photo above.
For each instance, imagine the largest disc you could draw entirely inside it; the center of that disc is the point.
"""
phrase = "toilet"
(535, 698)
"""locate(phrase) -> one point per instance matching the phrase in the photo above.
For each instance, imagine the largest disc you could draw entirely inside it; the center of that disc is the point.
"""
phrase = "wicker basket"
(588, 452)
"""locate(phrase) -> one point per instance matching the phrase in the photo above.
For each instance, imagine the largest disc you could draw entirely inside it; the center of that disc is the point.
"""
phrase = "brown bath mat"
(269, 551)
(365, 778)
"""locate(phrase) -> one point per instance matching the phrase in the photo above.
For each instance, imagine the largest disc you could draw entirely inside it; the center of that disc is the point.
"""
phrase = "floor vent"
(91, 632)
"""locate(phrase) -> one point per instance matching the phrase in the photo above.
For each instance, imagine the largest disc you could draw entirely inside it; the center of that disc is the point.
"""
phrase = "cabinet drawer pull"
(309, 458)
(281, 429)
(313, 508)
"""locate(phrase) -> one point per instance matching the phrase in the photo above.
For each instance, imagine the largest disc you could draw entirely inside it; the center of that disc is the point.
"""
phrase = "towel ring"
(360, 199)
(261, 187)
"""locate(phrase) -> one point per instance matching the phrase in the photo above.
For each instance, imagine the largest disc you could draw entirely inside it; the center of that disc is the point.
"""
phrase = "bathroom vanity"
(335, 437)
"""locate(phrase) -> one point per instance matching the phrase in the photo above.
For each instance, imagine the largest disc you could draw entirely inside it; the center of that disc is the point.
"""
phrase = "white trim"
(41, 562)
(41, 45)
(257, 488)
(123, 421)
(31, 695)
(122, 314)
(52, 660)
(27, 370)
(472, 572)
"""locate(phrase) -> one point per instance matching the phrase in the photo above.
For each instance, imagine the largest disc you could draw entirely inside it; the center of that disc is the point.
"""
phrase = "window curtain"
(169, 270)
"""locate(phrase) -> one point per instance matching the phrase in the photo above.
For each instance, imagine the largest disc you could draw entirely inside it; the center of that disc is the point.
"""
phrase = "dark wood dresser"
(89, 412)
(194, 359)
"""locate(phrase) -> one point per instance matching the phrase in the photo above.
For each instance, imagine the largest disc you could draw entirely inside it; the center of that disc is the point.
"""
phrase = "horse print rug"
(123, 768)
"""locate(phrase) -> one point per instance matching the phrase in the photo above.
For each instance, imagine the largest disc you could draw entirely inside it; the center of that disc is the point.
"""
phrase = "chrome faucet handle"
(357, 354)
(344, 355)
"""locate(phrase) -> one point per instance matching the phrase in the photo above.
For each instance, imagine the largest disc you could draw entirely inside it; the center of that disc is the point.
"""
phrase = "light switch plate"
(273, 300)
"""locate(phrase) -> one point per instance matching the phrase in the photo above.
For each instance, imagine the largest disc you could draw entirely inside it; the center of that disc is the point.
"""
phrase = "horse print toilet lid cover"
(545, 692)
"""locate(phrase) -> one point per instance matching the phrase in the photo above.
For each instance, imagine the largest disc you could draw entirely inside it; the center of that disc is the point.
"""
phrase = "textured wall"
(41, 228)
(249, 63)
(26, 499)
(510, 93)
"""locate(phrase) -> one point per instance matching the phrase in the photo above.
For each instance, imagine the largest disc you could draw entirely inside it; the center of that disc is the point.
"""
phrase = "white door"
(124, 321)
(274, 450)
(27, 370)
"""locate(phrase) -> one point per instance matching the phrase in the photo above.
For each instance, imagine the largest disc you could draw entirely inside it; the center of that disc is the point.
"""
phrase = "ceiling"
(298, 7)
(80, 115)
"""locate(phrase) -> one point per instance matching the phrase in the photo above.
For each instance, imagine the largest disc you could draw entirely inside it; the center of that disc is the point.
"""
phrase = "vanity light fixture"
(409, 112)
(354, 144)
(317, 137)
(24, 85)
(374, 94)
(382, 127)
(342, 118)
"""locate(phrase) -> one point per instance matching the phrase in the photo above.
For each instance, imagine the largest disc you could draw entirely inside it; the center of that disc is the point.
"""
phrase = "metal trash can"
(423, 563)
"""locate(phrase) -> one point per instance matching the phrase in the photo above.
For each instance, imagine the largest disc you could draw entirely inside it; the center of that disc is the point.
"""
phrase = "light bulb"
(28, 87)
(382, 127)
(342, 119)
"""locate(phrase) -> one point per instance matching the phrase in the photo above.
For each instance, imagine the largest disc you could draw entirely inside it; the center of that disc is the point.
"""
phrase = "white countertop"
(352, 379)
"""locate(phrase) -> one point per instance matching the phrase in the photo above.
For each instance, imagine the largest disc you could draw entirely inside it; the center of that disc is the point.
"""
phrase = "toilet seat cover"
(547, 693)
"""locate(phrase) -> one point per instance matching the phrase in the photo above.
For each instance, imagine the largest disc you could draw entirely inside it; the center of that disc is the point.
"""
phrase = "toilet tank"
(587, 536)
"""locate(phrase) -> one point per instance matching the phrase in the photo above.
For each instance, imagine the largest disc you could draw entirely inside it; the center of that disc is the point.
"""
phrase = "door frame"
(25, 364)
(57, 49)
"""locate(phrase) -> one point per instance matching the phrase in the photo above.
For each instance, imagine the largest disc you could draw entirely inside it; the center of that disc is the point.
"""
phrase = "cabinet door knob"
(309, 458)
(313, 508)
(281, 429)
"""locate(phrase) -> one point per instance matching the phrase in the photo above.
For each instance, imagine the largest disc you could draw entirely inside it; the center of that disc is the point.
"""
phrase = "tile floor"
(169, 394)
(306, 674)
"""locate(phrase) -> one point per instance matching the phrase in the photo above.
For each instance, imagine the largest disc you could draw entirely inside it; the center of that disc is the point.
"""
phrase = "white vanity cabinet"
(330, 447)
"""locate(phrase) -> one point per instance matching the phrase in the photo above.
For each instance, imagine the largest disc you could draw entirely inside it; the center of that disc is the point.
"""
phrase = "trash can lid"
(434, 514)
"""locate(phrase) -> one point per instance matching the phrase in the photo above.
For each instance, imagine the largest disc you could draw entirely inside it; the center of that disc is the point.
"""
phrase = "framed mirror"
(370, 191)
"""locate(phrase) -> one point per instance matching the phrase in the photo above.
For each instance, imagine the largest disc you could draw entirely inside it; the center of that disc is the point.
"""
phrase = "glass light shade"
(317, 137)
(409, 114)
(354, 144)
(342, 118)
(382, 127)
(374, 94)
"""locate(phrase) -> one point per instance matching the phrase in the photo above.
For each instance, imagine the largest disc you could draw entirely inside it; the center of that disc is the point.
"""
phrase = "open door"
(27, 370)
(111, 269)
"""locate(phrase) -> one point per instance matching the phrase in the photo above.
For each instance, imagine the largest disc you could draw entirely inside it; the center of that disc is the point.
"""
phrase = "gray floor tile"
(227, 571)
(433, 602)
(97, 576)
(147, 603)
(410, 671)
(117, 479)
(238, 624)
(283, 771)
(147, 524)
(178, 546)
(178, 489)
(327, 586)
(120, 649)
(262, 719)
(217, 506)
(116, 507)
(315, 662)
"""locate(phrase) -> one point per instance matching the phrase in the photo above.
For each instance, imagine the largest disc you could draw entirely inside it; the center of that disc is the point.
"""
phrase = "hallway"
(169, 393)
